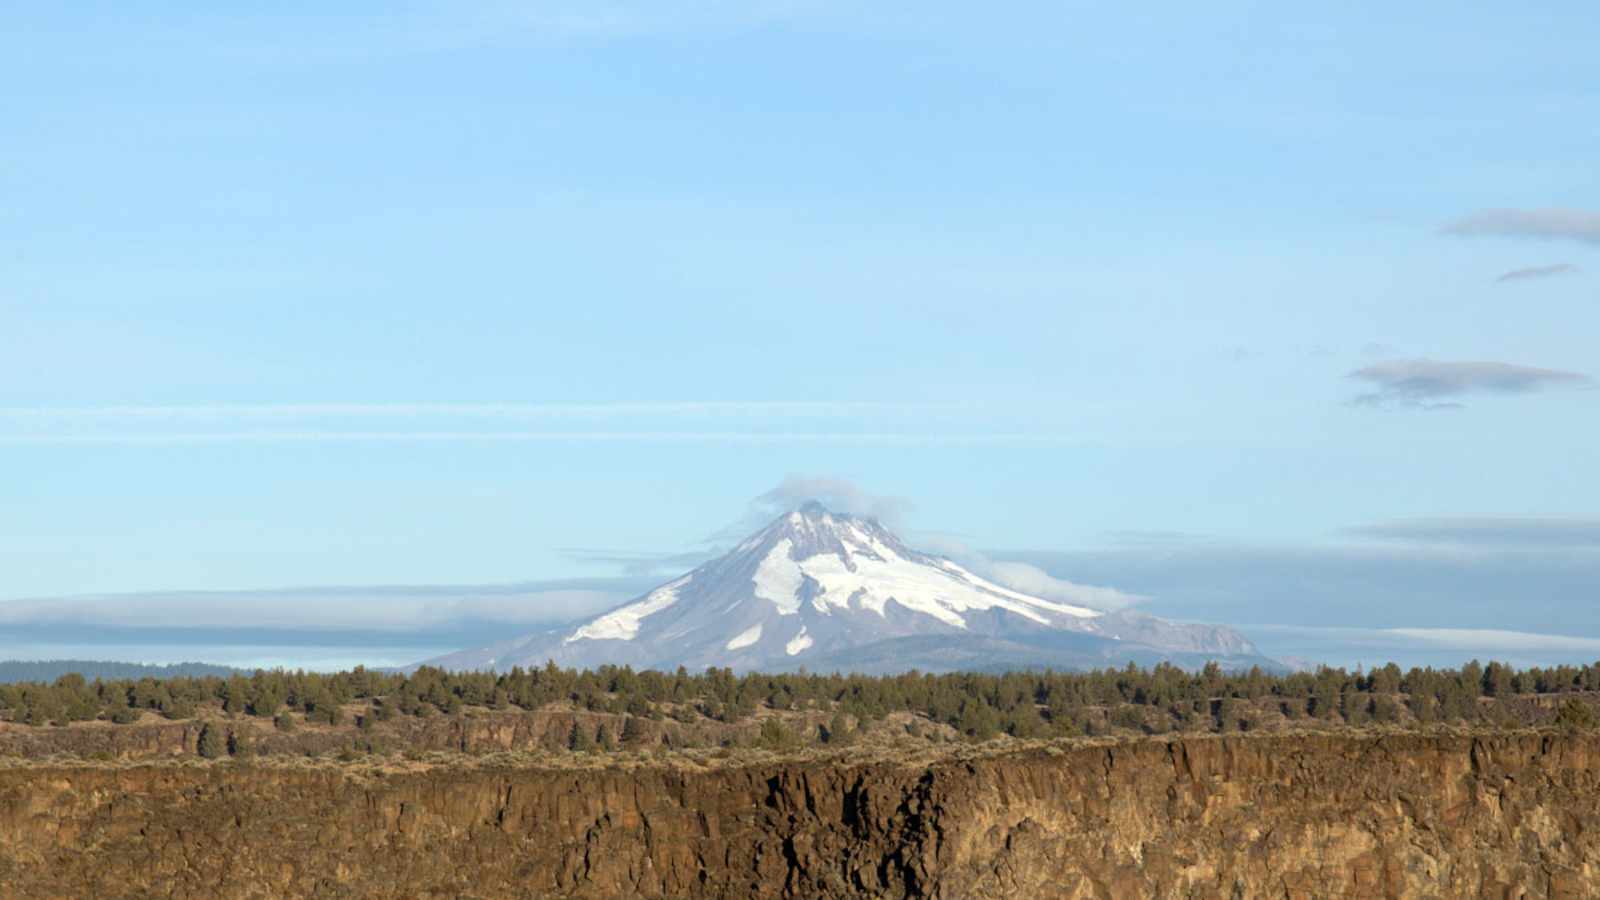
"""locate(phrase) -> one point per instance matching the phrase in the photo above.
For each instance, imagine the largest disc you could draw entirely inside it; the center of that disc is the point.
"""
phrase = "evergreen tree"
(633, 732)
(1497, 680)
(579, 741)
(211, 743)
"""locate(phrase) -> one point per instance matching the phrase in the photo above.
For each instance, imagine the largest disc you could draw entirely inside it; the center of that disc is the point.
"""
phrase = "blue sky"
(433, 293)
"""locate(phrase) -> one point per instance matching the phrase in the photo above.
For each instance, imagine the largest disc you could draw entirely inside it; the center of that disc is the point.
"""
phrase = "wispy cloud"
(514, 411)
(431, 27)
(844, 438)
(795, 490)
(624, 18)
(1545, 224)
(390, 609)
(840, 494)
(1030, 579)
(1027, 577)
(716, 422)
(1484, 642)
(1497, 639)
(1535, 272)
(639, 563)
(1487, 531)
(1432, 384)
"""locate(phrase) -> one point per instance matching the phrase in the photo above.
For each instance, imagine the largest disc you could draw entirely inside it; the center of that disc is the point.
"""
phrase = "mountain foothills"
(15, 670)
(837, 592)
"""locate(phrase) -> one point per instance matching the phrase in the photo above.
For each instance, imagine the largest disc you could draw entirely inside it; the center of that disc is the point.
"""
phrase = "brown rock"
(1512, 816)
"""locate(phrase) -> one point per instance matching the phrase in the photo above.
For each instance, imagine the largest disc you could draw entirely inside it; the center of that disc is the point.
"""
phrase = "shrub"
(838, 730)
(1575, 715)
(1129, 717)
(774, 736)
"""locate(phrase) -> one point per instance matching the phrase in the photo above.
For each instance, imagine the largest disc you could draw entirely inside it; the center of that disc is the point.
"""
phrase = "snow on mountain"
(814, 584)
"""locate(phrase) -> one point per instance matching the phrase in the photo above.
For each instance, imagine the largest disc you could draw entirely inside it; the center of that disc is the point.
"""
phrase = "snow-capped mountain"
(833, 591)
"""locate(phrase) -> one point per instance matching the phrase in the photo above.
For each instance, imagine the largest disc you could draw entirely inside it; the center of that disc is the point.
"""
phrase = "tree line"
(1022, 704)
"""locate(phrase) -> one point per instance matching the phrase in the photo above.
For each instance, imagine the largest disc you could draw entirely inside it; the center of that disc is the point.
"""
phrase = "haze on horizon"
(1270, 317)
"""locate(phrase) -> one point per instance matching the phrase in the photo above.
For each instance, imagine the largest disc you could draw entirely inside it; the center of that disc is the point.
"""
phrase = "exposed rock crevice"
(1508, 816)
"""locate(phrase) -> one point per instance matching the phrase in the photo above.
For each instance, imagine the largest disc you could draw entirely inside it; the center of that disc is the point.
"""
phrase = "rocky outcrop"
(1512, 815)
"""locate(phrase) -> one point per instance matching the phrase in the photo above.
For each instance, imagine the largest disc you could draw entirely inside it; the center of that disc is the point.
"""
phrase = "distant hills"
(47, 670)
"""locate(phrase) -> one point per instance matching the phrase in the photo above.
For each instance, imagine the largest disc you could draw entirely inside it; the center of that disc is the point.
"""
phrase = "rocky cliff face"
(1504, 816)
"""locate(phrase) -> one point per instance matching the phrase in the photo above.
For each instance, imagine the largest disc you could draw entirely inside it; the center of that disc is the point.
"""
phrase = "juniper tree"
(579, 740)
(211, 743)
(1575, 715)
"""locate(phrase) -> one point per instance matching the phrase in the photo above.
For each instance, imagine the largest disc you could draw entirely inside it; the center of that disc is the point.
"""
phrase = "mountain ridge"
(846, 592)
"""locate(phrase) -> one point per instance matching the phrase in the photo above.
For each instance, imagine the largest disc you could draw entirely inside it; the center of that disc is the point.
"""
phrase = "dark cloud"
(1487, 531)
(1431, 384)
(1547, 224)
(1533, 272)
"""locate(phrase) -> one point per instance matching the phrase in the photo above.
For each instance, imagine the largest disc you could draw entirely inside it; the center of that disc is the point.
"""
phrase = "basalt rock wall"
(1513, 815)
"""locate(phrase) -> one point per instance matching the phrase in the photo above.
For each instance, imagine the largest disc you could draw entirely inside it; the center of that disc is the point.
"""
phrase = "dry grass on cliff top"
(898, 751)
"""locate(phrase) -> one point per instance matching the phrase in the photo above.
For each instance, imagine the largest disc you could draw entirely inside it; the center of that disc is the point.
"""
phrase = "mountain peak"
(813, 515)
(813, 585)
(813, 509)
(812, 530)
